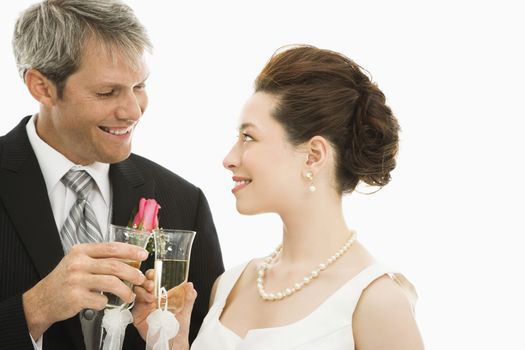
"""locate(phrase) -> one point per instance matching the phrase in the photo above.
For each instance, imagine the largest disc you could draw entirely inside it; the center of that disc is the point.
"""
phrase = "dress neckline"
(318, 309)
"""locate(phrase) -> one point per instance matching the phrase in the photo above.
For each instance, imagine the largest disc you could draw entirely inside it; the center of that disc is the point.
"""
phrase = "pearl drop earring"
(310, 177)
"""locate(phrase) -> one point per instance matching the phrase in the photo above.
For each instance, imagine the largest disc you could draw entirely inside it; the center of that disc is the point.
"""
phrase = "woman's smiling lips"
(240, 183)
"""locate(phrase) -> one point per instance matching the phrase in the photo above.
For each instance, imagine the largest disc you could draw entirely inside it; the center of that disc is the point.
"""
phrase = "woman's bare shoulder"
(384, 318)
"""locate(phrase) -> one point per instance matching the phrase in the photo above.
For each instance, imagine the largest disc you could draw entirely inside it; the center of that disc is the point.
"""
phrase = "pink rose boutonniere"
(146, 218)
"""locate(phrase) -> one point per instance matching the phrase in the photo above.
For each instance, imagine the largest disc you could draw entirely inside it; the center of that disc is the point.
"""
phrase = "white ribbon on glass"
(162, 326)
(114, 322)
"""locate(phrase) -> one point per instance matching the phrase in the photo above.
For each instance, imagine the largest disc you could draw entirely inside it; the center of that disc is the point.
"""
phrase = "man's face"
(101, 104)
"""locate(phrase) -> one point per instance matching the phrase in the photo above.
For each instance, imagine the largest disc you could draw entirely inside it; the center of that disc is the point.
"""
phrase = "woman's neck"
(313, 232)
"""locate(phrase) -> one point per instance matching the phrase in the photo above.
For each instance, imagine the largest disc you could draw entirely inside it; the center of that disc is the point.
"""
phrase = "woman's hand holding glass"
(146, 303)
(165, 301)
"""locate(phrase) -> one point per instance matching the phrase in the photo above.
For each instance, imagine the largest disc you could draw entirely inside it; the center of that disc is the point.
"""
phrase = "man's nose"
(130, 107)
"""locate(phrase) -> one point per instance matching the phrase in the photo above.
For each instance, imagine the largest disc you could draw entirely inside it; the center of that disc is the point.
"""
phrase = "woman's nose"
(230, 161)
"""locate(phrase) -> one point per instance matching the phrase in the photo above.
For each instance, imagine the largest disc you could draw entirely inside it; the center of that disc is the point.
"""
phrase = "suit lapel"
(24, 195)
(128, 186)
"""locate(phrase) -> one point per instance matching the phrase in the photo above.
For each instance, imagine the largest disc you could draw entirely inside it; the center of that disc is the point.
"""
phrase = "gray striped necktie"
(81, 226)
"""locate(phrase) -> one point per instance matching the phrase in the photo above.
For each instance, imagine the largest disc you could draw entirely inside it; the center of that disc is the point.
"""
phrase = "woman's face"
(267, 169)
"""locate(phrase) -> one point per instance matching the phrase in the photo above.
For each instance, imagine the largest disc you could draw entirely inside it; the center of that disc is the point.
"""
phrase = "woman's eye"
(246, 138)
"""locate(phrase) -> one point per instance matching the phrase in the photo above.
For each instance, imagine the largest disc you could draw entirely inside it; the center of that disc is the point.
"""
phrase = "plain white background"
(451, 220)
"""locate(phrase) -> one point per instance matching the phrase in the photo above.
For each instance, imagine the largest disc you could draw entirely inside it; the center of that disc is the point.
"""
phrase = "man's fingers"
(110, 284)
(117, 250)
(95, 301)
(117, 268)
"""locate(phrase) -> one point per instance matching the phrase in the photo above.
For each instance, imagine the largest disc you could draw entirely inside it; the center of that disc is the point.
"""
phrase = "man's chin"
(114, 158)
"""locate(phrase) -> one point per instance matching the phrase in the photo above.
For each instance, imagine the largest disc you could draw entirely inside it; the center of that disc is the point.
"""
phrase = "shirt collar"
(54, 165)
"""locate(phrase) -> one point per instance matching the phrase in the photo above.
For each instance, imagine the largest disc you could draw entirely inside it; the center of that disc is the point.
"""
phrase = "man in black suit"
(83, 62)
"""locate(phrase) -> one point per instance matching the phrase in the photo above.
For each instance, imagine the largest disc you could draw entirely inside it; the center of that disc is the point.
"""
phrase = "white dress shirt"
(54, 166)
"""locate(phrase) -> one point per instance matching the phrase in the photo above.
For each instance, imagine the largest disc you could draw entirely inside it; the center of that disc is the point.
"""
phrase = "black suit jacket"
(30, 246)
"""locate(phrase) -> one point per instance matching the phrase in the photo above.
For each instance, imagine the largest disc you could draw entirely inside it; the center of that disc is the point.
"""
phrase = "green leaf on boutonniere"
(150, 247)
(133, 213)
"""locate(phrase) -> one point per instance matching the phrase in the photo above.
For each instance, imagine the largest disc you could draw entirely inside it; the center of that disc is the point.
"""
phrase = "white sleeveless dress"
(329, 327)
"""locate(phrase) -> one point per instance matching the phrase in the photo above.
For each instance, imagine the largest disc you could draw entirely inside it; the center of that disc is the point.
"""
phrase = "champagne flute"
(132, 236)
(172, 262)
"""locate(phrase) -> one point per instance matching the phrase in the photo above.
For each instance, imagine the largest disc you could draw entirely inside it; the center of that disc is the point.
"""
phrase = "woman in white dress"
(315, 127)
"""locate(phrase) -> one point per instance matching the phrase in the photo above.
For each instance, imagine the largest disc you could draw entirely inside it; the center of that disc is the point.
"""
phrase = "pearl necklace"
(261, 271)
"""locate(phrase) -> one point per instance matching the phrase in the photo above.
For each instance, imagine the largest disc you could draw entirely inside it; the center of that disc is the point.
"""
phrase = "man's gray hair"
(50, 36)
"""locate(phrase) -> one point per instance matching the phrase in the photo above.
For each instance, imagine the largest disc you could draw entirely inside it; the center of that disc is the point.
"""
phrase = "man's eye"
(105, 94)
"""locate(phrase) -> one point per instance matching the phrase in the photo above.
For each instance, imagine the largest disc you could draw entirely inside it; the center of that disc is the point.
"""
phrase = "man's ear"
(318, 149)
(41, 88)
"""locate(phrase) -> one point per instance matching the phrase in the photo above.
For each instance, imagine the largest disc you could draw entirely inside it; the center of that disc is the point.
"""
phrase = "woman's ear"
(318, 150)
(41, 88)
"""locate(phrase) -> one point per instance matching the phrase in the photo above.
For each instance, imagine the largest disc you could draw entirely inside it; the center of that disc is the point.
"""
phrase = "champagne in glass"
(170, 274)
(113, 300)
(132, 236)
(172, 261)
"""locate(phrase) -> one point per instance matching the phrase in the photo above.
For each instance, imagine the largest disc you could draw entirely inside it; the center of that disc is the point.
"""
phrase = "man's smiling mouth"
(117, 131)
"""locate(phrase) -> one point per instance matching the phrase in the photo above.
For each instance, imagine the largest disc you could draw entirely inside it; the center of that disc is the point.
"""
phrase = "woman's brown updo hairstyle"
(321, 92)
